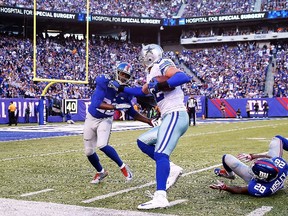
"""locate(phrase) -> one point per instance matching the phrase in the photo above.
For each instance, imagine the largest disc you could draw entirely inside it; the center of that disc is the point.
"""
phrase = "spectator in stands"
(225, 71)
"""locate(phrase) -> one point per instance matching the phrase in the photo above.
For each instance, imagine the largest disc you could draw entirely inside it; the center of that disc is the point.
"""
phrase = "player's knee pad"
(229, 162)
(101, 145)
(88, 147)
(89, 151)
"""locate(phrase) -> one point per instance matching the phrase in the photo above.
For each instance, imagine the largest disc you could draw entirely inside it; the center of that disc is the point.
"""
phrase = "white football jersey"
(167, 101)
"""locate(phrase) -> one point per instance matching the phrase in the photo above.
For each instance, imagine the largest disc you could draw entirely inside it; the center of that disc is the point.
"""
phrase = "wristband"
(121, 88)
(163, 85)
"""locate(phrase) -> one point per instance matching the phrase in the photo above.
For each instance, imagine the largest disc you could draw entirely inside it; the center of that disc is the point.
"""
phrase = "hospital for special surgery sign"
(80, 16)
(148, 21)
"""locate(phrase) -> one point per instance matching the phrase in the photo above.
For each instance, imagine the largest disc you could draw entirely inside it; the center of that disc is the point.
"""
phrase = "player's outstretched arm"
(120, 106)
(232, 189)
(106, 106)
(244, 157)
(136, 91)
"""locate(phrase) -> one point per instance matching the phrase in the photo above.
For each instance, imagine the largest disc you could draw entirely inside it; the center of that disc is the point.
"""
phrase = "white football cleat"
(159, 201)
(175, 173)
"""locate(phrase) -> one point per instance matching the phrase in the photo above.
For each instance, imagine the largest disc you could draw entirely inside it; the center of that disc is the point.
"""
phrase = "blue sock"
(226, 167)
(94, 160)
(112, 154)
(162, 170)
(147, 149)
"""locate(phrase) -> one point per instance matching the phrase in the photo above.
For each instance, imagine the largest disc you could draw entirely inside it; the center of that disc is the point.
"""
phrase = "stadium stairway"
(269, 82)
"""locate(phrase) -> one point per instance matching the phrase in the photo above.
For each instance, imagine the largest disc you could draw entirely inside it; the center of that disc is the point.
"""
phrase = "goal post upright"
(87, 39)
(41, 106)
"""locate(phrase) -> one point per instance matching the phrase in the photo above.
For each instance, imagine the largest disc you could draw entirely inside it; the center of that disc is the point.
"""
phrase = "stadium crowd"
(154, 8)
(224, 71)
(141, 8)
(218, 31)
(238, 72)
(242, 74)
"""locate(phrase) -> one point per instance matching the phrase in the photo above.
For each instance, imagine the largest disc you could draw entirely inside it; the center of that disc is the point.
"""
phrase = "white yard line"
(141, 186)
(118, 192)
(176, 202)
(260, 211)
(36, 192)
(40, 155)
(201, 170)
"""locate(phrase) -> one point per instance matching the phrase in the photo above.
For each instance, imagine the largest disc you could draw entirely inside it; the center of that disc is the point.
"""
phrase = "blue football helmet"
(264, 170)
(150, 54)
(123, 73)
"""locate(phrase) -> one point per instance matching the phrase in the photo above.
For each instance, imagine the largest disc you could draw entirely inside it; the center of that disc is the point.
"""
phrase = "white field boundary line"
(141, 186)
(36, 192)
(260, 211)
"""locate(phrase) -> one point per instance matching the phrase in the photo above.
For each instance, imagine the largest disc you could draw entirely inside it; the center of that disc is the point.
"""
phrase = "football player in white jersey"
(159, 142)
(265, 177)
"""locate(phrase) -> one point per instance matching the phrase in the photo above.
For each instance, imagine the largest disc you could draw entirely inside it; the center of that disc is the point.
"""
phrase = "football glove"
(245, 157)
(122, 106)
(115, 85)
(219, 185)
(155, 122)
(153, 86)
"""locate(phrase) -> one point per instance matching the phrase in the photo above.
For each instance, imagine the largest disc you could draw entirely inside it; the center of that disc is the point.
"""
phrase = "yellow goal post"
(41, 106)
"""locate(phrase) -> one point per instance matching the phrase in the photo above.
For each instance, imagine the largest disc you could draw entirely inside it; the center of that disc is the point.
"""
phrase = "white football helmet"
(150, 54)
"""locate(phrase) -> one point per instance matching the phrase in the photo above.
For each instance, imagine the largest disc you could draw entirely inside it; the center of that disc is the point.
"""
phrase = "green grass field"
(60, 164)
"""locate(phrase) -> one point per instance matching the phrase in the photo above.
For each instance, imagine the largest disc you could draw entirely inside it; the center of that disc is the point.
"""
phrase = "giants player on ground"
(265, 177)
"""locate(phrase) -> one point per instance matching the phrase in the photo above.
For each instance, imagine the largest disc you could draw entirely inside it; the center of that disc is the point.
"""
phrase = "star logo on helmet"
(149, 50)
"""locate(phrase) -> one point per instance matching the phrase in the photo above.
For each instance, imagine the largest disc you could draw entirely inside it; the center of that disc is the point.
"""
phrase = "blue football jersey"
(264, 189)
(104, 93)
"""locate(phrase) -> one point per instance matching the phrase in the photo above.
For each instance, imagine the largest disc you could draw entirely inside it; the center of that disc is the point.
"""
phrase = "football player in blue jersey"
(266, 175)
(159, 142)
(98, 123)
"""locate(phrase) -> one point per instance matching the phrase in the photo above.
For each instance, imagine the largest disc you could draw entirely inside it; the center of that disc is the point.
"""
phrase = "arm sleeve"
(178, 78)
(100, 90)
(136, 91)
(98, 96)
